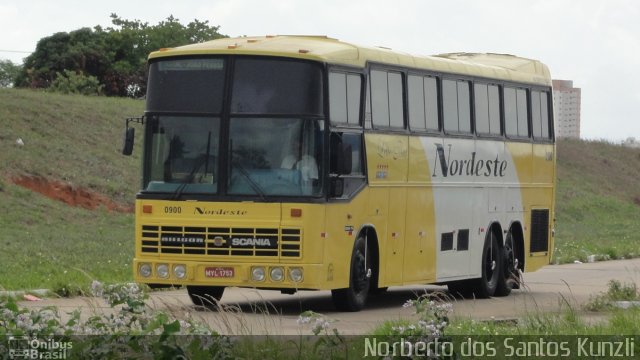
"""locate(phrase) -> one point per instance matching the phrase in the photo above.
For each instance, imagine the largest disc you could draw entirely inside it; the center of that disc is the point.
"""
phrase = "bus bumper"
(275, 275)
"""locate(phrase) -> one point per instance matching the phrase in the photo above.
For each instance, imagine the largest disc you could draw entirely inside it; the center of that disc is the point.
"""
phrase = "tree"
(83, 51)
(116, 56)
(70, 82)
(8, 73)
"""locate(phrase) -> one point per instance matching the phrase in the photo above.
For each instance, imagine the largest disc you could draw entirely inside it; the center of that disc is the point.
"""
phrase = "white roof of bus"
(321, 48)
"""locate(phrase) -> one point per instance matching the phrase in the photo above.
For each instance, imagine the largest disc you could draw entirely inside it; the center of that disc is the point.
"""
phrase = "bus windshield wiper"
(252, 183)
(198, 164)
(200, 160)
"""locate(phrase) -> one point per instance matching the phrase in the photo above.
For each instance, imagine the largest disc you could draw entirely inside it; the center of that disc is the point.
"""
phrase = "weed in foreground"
(133, 329)
(616, 291)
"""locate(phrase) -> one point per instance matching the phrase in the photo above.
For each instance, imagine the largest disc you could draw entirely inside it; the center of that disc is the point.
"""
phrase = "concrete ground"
(250, 311)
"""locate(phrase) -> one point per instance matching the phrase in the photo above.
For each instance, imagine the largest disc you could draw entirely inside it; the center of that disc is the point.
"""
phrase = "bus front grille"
(223, 241)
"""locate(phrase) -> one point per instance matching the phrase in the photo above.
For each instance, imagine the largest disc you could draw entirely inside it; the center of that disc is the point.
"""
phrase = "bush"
(70, 82)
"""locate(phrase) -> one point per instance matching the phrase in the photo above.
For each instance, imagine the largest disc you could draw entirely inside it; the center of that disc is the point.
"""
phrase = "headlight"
(162, 270)
(180, 271)
(295, 274)
(257, 273)
(277, 274)
(144, 270)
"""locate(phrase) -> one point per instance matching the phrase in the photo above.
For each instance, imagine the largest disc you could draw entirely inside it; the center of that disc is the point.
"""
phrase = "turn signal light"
(147, 209)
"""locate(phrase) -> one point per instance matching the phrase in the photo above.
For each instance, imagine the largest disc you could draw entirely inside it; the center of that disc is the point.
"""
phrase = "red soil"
(69, 194)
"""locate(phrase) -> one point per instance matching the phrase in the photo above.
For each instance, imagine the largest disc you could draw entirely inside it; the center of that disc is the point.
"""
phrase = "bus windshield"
(182, 154)
(266, 141)
(275, 156)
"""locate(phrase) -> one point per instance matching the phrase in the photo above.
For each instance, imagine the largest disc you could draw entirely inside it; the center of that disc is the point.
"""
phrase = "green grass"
(597, 201)
(77, 140)
(74, 139)
(622, 322)
(616, 292)
(570, 321)
(47, 244)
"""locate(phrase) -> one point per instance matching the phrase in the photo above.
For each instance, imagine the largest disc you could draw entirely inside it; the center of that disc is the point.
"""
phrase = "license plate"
(219, 272)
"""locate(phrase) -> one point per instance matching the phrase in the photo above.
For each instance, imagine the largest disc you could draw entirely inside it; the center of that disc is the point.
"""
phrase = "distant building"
(631, 142)
(566, 105)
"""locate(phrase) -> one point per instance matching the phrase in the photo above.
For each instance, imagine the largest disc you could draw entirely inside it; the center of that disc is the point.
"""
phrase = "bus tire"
(207, 296)
(354, 297)
(508, 270)
(486, 285)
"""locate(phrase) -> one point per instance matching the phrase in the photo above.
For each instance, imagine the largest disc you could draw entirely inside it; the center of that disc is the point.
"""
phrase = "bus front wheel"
(207, 296)
(354, 297)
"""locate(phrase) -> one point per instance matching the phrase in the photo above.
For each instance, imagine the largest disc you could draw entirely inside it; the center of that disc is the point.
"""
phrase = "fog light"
(277, 274)
(162, 271)
(295, 274)
(180, 271)
(144, 270)
(257, 274)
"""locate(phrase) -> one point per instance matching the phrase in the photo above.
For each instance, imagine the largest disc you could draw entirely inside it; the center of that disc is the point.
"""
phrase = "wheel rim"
(490, 261)
(509, 259)
(360, 279)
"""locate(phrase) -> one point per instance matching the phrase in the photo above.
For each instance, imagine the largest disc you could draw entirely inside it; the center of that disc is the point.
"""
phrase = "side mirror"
(336, 187)
(127, 144)
(341, 156)
(345, 159)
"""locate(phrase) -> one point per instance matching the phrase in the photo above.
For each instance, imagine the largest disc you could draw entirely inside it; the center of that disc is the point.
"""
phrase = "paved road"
(252, 311)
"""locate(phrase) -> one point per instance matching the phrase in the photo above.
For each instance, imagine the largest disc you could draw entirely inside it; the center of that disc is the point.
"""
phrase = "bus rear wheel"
(207, 296)
(487, 284)
(354, 297)
(509, 276)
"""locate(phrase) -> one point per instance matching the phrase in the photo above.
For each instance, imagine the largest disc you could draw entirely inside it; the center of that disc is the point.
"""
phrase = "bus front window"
(275, 156)
(183, 154)
(257, 131)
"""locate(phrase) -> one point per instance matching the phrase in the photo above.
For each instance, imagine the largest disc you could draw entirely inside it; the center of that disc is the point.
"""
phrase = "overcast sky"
(595, 43)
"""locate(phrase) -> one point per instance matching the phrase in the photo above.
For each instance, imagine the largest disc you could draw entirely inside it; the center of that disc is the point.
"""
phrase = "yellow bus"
(307, 163)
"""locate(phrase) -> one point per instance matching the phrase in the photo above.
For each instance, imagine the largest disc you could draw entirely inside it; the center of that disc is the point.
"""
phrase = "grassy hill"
(597, 201)
(72, 148)
(75, 141)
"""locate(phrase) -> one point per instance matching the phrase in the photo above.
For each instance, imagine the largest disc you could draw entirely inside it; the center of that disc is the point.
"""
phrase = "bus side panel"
(467, 180)
(343, 223)
(388, 163)
(540, 197)
(395, 236)
(378, 206)
(535, 168)
(419, 254)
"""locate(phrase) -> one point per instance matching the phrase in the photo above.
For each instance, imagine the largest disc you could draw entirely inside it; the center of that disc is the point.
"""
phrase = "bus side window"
(344, 98)
(515, 112)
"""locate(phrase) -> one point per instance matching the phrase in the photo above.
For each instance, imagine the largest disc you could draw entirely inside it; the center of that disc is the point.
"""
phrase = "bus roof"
(321, 48)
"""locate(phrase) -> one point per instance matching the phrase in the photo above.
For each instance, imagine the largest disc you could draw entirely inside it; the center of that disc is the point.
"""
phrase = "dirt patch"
(68, 194)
